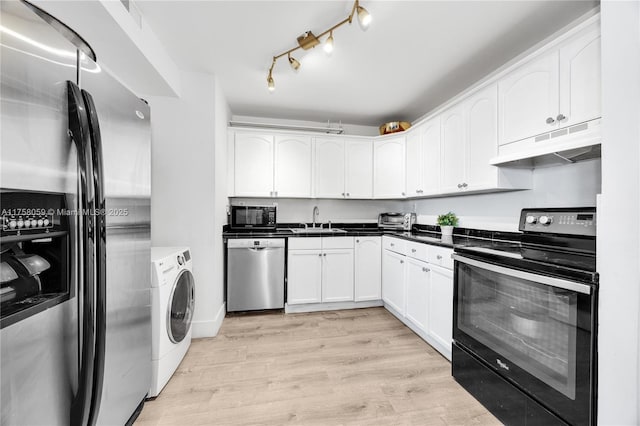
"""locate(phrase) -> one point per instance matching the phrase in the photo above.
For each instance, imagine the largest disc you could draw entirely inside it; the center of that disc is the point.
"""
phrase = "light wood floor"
(352, 367)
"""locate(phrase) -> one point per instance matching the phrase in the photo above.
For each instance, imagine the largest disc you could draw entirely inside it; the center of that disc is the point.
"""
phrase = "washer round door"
(180, 308)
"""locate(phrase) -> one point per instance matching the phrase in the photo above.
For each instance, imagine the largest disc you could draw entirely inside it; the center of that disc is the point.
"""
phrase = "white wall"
(568, 185)
(619, 212)
(185, 133)
(292, 210)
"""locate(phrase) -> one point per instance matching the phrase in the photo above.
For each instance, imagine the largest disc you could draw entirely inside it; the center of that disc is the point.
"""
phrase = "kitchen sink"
(316, 230)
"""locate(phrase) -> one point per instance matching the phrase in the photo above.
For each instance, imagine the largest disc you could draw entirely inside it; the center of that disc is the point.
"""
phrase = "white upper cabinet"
(453, 149)
(253, 165)
(359, 168)
(481, 113)
(343, 168)
(580, 85)
(430, 133)
(329, 168)
(557, 89)
(414, 163)
(389, 168)
(293, 160)
(528, 99)
(423, 159)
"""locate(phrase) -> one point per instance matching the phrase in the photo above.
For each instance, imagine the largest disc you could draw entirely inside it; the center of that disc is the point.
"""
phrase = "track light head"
(328, 44)
(293, 62)
(271, 85)
(363, 17)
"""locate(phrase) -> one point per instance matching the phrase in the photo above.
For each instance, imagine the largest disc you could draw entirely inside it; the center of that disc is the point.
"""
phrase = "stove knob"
(40, 222)
(20, 223)
(45, 222)
(13, 224)
(532, 219)
(34, 223)
(545, 220)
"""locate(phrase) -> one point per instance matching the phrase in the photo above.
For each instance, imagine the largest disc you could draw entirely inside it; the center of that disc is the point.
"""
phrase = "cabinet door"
(359, 169)
(368, 269)
(414, 162)
(453, 149)
(253, 165)
(329, 168)
(580, 79)
(389, 168)
(292, 177)
(440, 307)
(430, 155)
(304, 276)
(529, 96)
(393, 280)
(417, 292)
(482, 138)
(337, 275)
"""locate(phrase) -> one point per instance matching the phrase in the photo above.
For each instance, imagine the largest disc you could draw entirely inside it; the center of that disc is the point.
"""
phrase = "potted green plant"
(447, 222)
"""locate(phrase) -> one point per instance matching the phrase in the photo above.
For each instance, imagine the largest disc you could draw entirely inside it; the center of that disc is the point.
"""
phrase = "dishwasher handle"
(255, 243)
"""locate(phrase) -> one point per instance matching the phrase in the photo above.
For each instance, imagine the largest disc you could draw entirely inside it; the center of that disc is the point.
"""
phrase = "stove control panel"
(559, 221)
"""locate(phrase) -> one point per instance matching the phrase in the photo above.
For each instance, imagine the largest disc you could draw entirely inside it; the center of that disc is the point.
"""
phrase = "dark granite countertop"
(427, 234)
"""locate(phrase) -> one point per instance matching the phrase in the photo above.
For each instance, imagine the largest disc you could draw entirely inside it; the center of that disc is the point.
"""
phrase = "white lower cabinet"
(440, 308)
(417, 284)
(368, 268)
(320, 270)
(418, 292)
(304, 276)
(337, 275)
(393, 280)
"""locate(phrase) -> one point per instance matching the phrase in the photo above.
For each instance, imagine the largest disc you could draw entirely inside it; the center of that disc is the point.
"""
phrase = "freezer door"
(39, 355)
(125, 139)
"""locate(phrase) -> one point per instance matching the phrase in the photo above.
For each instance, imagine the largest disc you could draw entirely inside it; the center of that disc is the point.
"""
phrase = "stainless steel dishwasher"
(255, 274)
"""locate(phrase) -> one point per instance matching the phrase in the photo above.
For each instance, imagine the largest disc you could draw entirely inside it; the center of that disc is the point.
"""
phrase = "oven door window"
(530, 324)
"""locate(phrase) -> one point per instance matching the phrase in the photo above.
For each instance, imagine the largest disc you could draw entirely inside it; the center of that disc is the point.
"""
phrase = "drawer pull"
(439, 257)
(426, 269)
(413, 250)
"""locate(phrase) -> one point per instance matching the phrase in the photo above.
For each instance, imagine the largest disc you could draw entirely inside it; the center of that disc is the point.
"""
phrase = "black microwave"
(252, 217)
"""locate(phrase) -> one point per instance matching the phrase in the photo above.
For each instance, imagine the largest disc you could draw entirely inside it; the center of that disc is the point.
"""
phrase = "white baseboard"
(209, 328)
(334, 306)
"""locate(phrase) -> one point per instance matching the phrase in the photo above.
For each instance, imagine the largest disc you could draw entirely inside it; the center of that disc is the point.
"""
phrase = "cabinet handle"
(276, 193)
(348, 194)
(413, 250)
(426, 269)
(357, 241)
(550, 120)
(343, 194)
(403, 194)
(459, 185)
(439, 257)
(392, 244)
(319, 254)
(324, 254)
(464, 184)
(561, 117)
(402, 261)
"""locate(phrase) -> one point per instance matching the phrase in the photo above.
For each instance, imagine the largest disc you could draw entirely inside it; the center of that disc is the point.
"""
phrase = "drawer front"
(337, 242)
(417, 250)
(304, 243)
(440, 256)
(397, 245)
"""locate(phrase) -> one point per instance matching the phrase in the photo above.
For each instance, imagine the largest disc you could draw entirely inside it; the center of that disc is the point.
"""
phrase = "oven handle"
(553, 282)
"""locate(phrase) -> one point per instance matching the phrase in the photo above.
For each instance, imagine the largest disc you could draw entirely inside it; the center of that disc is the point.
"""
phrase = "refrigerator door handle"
(79, 133)
(101, 256)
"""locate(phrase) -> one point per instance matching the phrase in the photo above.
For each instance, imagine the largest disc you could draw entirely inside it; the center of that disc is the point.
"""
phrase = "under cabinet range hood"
(569, 145)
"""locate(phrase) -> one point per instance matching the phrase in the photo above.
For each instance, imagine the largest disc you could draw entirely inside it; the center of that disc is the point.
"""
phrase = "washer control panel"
(559, 221)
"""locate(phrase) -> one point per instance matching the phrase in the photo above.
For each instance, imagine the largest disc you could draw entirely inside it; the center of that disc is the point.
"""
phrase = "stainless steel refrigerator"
(75, 326)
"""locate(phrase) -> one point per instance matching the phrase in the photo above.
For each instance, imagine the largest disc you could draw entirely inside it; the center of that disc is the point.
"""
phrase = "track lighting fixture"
(308, 40)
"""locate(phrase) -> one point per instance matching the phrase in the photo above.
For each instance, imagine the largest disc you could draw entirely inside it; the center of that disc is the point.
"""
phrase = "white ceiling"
(415, 55)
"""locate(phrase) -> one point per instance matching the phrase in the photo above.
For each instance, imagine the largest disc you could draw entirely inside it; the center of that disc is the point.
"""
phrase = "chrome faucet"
(316, 212)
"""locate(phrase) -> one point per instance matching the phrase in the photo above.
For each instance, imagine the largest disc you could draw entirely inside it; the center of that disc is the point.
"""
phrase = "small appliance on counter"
(258, 217)
(397, 221)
